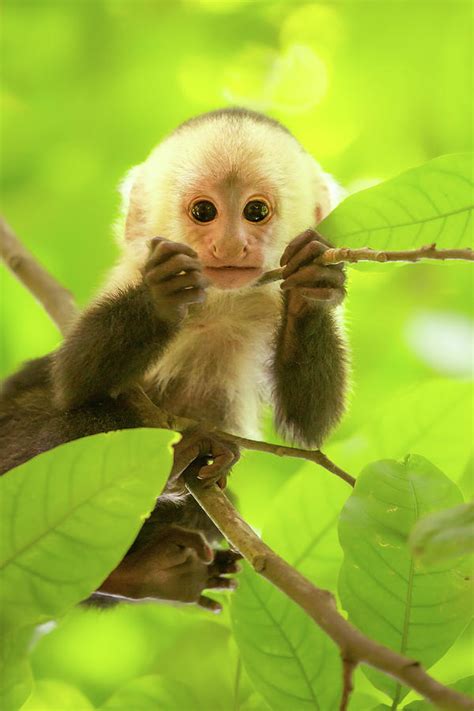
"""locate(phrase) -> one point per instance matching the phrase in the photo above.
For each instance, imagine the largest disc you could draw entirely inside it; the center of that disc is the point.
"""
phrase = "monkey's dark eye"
(256, 211)
(204, 211)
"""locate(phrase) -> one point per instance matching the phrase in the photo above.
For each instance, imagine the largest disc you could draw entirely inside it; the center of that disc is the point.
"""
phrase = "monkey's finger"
(173, 555)
(228, 555)
(311, 275)
(218, 583)
(184, 281)
(219, 467)
(164, 249)
(160, 271)
(328, 295)
(191, 539)
(225, 562)
(208, 604)
(308, 253)
(187, 296)
(295, 245)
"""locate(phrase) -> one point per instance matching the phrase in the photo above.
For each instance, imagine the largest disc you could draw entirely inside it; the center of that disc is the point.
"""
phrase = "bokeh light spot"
(293, 81)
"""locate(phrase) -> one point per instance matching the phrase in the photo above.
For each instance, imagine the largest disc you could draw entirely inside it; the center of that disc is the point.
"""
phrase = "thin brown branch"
(348, 668)
(320, 604)
(337, 255)
(55, 299)
(154, 416)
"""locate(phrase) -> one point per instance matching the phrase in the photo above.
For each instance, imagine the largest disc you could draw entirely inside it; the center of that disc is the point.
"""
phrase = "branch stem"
(57, 301)
(336, 255)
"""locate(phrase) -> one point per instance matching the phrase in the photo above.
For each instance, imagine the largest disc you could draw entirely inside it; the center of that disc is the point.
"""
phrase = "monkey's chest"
(216, 370)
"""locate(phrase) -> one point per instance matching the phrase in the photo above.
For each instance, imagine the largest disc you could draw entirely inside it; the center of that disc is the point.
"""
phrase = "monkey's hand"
(174, 276)
(177, 566)
(204, 455)
(305, 280)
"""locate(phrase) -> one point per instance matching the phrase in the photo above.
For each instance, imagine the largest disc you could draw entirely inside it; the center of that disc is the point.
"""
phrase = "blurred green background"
(371, 88)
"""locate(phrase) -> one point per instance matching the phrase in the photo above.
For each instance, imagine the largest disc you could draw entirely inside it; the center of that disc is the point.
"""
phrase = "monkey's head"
(234, 185)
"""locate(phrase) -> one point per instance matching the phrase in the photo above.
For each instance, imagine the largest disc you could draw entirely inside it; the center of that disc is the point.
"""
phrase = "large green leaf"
(68, 517)
(444, 535)
(70, 514)
(433, 418)
(302, 523)
(291, 662)
(430, 203)
(415, 611)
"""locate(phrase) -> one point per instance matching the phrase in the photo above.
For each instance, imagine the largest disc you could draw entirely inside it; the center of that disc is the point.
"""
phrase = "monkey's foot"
(204, 455)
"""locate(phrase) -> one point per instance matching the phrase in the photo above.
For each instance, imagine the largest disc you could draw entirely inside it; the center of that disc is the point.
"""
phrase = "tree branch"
(320, 604)
(336, 255)
(55, 299)
(348, 668)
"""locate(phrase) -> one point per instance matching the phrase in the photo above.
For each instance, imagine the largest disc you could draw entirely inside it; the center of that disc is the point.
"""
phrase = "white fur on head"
(214, 146)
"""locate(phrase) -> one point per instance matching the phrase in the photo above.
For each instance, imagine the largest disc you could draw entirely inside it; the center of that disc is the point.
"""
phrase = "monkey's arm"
(109, 348)
(310, 366)
(118, 337)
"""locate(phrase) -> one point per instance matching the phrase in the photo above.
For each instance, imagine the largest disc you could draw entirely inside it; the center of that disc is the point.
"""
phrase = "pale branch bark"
(336, 255)
(55, 299)
(320, 605)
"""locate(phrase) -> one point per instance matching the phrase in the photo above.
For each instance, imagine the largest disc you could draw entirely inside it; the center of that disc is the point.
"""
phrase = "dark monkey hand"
(177, 565)
(307, 281)
(201, 454)
(173, 273)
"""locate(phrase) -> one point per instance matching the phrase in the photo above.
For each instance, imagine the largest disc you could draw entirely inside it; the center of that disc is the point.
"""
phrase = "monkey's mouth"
(230, 277)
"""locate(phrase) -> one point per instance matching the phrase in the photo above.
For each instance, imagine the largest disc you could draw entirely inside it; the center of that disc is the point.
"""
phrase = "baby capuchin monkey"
(227, 196)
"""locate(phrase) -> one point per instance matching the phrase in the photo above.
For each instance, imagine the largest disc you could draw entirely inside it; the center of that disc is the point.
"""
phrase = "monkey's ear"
(133, 210)
(329, 195)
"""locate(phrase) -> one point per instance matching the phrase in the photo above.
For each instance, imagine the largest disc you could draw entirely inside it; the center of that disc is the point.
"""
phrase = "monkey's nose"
(226, 250)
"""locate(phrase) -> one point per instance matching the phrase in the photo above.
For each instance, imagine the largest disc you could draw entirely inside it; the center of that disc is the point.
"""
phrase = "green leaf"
(68, 517)
(15, 672)
(363, 702)
(150, 693)
(432, 418)
(51, 694)
(444, 535)
(70, 514)
(430, 203)
(291, 662)
(416, 612)
(302, 524)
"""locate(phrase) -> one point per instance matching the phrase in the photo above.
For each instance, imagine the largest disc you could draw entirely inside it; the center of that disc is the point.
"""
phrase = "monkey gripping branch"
(319, 604)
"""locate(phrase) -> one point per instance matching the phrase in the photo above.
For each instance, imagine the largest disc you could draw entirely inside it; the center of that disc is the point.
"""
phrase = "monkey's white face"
(230, 226)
